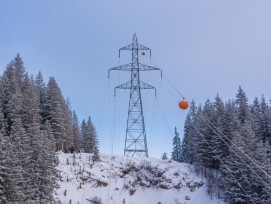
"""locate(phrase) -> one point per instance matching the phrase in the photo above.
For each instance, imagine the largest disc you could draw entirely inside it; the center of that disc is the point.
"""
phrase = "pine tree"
(237, 182)
(76, 132)
(256, 116)
(83, 133)
(204, 155)
(177, 147)
(189, 138)
(19, 70)
(164, 156)
(40, 88)
(12, 173)
(2, 196)
(53, 112)
(68, 130)
(89, 137)
(218, 123)
(241, 167)
(242, 106)
(45, 179)
(266, 121)
(261, 190)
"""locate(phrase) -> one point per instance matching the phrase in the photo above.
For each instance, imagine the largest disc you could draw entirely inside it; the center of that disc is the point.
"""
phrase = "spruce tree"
(204, 155)
(2, 196)
(164, 156)
(218, 123)
(53, 112)
(76, 132)
(68, 130)
(257, 118)
(266, 121)
(90, 140)
(45, 179)
(12, 173)
(19, 70)
(40, 88)
(236, 182)
(189, 139)
(177, 147)
(242, 106)
(241, 167)
(83, 133)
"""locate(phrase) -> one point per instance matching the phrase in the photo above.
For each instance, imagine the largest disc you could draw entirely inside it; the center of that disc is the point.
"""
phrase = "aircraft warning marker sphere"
(143, 53)
(183, 104)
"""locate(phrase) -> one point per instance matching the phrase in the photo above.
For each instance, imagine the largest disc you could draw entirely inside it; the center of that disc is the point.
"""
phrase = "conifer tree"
(68, 130)
(204, 155)
(177, 147)
(241, 167)
(261, 190)
(236, 183)
(53, 112)
(83, 133)
(266, 121)
(2, 196)
(47, 161)
(242, 106)
(190, 133)
(164, 156)
(218, 123)
(40, 88)
(76, 132)
(89, 136)
(12, 173)
(19, 70)
(45, 179)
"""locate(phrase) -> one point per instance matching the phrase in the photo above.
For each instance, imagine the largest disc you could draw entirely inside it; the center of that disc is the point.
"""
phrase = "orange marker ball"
(183, 104)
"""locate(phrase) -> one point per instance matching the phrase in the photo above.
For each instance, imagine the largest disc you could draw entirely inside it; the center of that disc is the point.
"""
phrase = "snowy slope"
(129, 180)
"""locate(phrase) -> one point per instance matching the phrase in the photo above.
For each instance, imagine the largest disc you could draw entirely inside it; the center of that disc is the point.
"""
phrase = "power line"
(229, 170)
(209, 122)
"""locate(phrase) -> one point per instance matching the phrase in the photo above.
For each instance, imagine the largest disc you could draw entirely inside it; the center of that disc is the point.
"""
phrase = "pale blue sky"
(204, 47)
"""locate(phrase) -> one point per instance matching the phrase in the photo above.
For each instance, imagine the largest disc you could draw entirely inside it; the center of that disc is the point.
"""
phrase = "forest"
(35, 122)
(229, 144)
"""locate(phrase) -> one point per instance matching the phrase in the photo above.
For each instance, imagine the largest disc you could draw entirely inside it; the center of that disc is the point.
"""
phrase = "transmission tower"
(135, 140)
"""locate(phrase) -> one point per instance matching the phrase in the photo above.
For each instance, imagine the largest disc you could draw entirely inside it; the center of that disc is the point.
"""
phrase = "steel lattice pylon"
(135, 141)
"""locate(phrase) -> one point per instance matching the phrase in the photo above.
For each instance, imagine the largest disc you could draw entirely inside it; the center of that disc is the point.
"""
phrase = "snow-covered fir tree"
(54, 112)
(176, 154)
(164, 156)
(35, 121)
(231, 147)
(190, 133)
(76, 132)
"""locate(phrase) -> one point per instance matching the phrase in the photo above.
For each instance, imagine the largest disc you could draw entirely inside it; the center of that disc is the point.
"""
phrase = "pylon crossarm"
(142, 47)
(144, 67)
(126, 85)
(125, 67)
(130, 47)
(144, 85)
(130, 67)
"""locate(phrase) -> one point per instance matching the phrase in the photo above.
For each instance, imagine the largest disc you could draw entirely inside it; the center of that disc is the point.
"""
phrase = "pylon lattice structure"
(135, 141)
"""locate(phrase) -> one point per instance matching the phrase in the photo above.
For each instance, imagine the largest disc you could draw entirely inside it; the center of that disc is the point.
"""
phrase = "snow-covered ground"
(119, 179)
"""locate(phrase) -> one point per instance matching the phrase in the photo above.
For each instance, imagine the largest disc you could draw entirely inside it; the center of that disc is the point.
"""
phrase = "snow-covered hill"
(119, 179)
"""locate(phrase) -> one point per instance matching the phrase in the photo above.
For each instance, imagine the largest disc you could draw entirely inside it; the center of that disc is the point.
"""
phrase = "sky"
(203, 47)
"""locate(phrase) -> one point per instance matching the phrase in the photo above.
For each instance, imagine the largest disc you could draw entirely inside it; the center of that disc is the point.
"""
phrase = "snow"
(134, 180)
